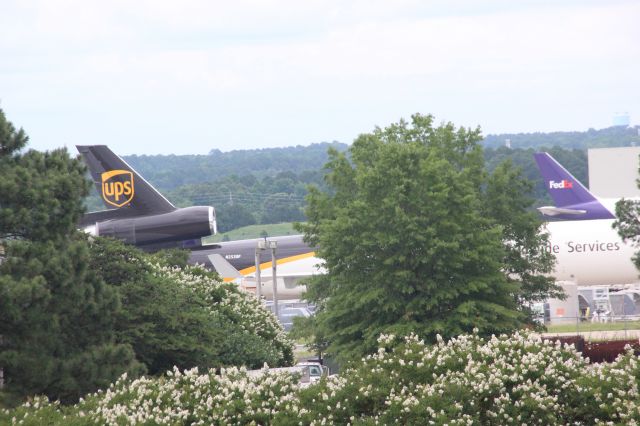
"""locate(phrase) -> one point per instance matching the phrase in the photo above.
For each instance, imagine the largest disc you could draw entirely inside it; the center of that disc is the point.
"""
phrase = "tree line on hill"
(170, 172)
(603, 138)
(263, 186)
(277, 194)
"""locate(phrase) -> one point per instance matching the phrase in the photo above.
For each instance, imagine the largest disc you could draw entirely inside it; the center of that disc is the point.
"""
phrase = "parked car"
(316, 370)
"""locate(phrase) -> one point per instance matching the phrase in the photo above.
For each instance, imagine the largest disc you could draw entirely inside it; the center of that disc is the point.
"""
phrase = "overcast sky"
(156, 76)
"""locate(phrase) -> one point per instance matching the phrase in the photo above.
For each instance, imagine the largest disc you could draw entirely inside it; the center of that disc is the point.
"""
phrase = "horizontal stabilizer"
(556, 211)
(223, 267)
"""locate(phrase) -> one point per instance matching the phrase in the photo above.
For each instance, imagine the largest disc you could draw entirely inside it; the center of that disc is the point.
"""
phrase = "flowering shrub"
(184, 315)
(517, 379)
(251, 320)
(504, 380)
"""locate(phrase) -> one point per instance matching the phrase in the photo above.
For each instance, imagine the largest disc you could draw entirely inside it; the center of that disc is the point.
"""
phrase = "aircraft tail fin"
(120, 186)
(573, 201)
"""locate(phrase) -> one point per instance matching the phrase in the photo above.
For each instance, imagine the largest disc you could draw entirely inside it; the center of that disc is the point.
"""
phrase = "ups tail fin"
(120, 186)
(573, 201)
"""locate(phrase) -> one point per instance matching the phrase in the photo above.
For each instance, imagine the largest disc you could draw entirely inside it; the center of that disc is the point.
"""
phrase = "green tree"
(628, 222)
(56, 315)
(410, 242)
(527, 261)
(166, 324)
(40, 193)
(280, 207)
(232, 216)
(171, 323)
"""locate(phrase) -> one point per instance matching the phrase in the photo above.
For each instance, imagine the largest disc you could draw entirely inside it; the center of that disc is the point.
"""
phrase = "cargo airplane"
(139, 215)
(588, 249)
(136, 212)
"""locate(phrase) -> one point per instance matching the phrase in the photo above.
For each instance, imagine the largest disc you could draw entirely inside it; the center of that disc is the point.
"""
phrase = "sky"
(189, 76)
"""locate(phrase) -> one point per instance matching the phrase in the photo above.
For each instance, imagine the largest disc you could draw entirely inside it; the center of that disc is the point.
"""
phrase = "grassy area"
(254, 231)
(584, 327)
(301, 353)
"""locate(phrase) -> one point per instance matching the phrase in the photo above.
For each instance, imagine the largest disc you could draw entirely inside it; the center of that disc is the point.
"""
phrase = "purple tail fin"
(573, 201)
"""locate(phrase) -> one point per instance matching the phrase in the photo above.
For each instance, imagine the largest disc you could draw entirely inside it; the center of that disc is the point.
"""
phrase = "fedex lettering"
(563, 184)
(581, 247)
(117, 187)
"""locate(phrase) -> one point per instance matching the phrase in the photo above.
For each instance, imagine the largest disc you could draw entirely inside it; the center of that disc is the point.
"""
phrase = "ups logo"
(117, 187)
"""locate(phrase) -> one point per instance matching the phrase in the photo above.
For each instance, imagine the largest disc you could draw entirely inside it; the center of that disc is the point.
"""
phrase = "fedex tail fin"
(573, 201)
(122, 189)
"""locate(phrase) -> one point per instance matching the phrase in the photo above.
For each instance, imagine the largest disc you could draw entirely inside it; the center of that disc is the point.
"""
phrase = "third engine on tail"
(157, 230)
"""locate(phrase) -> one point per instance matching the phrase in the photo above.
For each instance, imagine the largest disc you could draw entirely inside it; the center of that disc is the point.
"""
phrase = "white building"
(613, 172)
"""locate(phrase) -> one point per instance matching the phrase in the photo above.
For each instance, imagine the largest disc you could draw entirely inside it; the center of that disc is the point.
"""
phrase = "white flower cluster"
(230, 397)
(516, 379)
(506, 380)
(246, 312)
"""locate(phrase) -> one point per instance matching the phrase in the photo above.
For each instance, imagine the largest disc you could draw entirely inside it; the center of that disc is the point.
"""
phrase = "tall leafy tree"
(628, 222)
(527, 261)
(56, 315)
(413, 236)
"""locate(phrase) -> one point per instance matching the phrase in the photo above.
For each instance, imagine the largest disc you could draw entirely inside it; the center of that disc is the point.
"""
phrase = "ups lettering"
(117, 187)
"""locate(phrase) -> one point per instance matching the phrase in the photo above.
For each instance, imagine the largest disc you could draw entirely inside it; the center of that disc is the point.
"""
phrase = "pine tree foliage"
(415, 234)
(56, 315)
(40, 193)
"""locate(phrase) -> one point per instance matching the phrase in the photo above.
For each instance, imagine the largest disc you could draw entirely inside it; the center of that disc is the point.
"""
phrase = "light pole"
(262, 244)
(273, 245)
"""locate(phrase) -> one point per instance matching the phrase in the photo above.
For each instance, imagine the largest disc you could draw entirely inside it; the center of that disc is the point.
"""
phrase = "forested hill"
(262, 186)
(172, 171)
(603, 138)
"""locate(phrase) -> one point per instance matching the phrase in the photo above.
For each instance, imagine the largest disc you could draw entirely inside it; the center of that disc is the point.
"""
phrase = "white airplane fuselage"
(590, 252)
